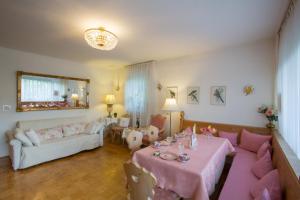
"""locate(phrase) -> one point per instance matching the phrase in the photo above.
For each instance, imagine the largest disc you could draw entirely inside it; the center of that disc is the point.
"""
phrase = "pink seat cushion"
(263, 165)
(232, 137)
(263, 149)
(240, 178)
(252, 141)
(271, 183)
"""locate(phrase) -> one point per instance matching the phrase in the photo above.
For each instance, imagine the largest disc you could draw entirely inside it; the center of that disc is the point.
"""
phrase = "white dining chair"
(142, 184)
(134, 140)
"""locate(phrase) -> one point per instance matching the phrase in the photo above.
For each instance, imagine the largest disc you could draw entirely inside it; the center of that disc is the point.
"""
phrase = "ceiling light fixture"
(100, 38)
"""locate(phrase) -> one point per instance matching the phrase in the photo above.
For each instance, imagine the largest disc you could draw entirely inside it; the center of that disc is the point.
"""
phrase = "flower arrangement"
(208, 129)
(270, 113)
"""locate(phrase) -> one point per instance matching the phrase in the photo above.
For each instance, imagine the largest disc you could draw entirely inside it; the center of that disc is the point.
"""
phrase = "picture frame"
(172, 92)
(193, 95)
(218, 95)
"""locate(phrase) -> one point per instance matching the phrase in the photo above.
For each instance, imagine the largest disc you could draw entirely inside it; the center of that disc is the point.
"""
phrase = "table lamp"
(110, 100)
(170, 106)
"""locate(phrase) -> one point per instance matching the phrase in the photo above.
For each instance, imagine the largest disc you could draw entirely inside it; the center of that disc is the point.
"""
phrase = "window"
(288, 81)
(39, 89)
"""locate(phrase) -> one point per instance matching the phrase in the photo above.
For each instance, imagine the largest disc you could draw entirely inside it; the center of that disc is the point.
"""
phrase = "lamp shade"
(110, 99)
(170, 105)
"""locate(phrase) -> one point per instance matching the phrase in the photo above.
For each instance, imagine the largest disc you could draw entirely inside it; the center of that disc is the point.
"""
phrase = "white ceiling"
(147, 29)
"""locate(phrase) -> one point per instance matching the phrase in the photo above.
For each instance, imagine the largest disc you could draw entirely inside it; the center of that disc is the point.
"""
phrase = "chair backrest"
(140, 182)
(152, 132)
(134, 139)
(124, 122)
(158, 121)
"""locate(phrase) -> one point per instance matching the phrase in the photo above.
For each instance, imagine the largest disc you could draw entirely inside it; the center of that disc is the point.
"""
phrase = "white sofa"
(25, 156)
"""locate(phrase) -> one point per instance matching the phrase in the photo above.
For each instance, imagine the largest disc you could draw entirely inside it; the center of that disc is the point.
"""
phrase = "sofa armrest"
(15, 147)
(101, 132)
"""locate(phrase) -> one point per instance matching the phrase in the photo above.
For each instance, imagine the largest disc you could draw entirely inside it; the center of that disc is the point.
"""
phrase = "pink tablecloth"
(197, 177)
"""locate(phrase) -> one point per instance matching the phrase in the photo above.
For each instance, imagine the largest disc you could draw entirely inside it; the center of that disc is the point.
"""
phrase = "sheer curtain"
(42, 89)
(139, 92)
(288, 80)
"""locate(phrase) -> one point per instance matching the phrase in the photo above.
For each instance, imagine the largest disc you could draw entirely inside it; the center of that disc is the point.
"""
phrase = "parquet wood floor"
(96, 174)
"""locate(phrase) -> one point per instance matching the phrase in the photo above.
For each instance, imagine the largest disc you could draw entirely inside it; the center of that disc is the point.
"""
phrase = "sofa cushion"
(93, 127)
(263, 149)
(252, 141)
(34, 138)
(19, 134)
(240, 178)
(73, 129)
(49, 133)
(232, 137)
(58, 148)
(269, 182)
(263, 165)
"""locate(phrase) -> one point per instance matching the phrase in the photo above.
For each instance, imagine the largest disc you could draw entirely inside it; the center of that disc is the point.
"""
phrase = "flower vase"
(270, 125)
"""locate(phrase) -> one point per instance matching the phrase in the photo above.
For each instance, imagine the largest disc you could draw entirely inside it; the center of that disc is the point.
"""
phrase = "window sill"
(290, 155)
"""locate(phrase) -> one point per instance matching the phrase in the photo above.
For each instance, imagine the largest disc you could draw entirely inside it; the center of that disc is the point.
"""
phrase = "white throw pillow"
(19, 134)
(93, 127)
(34, 138)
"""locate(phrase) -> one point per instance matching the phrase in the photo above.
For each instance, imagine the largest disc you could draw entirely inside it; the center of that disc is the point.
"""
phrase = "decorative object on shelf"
(170, 106)
(172, 92)
(248, 89)
(218, 95)
(193, 94)
(40, 92)
(110, 100)
(101, 39)
(115, 115)
(208, 130)
(270, 113)
(159, 86)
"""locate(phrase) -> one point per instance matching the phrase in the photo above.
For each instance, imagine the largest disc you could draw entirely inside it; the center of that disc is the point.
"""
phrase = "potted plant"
(270, 113)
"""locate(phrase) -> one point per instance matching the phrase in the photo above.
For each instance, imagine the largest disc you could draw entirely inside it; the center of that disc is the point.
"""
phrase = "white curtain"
(41, 89)
(288, 80)
(139, 92)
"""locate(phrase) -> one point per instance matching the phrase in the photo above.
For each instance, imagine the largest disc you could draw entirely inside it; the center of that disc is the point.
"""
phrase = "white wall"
(233, 68)
(12, 60)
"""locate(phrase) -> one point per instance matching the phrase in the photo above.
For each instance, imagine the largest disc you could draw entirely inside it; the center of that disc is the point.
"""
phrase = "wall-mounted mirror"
(49, 92)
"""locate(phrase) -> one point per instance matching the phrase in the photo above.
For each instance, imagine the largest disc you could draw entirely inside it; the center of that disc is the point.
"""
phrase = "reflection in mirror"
(49, 92)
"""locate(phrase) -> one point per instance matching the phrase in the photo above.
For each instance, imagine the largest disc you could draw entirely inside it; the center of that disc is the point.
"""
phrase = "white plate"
(168, 156)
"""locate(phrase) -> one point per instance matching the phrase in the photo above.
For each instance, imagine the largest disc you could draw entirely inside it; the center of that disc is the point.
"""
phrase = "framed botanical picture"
(218, 95)
(172, 92)
(193, 95)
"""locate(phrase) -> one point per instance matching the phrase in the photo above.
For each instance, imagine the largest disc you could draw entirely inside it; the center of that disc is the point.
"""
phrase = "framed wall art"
(218, 95)
(193, 95)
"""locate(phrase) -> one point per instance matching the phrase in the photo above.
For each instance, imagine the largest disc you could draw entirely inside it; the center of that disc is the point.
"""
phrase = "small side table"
(117, 131)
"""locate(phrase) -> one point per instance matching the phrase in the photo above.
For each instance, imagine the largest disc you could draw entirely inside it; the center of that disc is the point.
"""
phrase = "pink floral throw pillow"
(270, 182)
(252, 141)
(50, 133)
(232, 137)
(263, 165)
(263, 149)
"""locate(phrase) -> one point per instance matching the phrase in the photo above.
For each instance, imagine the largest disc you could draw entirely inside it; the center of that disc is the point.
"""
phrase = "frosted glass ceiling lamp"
(99, 38)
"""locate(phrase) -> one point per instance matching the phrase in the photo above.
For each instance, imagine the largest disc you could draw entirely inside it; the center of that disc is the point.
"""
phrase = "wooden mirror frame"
(19, 86)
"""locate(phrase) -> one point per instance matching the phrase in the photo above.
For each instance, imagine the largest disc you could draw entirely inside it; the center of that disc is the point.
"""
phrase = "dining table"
(195, 178)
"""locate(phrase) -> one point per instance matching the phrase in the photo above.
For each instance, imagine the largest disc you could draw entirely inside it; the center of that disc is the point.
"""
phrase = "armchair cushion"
(158, 121)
